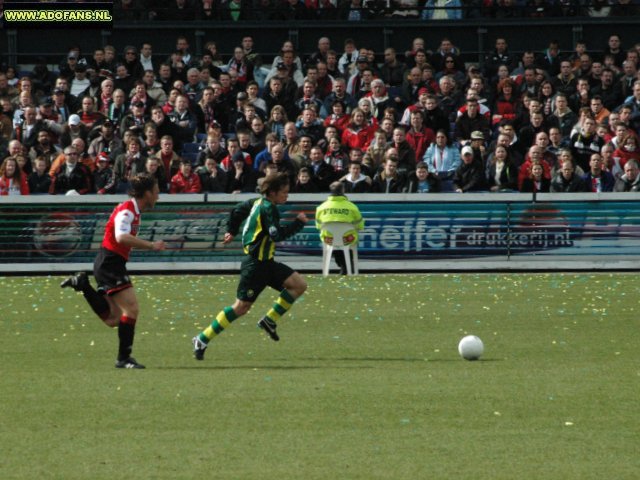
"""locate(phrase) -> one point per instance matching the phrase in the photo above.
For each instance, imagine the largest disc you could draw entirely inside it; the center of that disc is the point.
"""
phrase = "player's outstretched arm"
(279, 232)
(132, 241)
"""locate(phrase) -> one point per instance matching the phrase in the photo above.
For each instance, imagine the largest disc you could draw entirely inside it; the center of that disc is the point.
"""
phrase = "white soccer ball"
(471, 347)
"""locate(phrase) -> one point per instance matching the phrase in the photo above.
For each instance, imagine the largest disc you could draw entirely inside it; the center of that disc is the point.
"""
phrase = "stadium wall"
(44, 234)
(473, 37)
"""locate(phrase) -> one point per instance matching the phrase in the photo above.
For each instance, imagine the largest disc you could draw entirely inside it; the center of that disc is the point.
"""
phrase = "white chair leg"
(347, 259)
(327, 250)
(354, 252)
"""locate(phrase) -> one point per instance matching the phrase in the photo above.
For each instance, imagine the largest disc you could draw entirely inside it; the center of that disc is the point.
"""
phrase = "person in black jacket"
(499, 56)
(212, 178)
(389, 180)
(406, 153)
(597, 179)
(241, 178)
(470, 175)
(304, 183)
(39, 180)
(566, 179)
(630, 181)
(434, 116)
(322, 174)
(536, 181)
(72, 177)
(422, 180)
(154, 168)
(471, 121)
(502, 173)
(356, 181)
(104, 181)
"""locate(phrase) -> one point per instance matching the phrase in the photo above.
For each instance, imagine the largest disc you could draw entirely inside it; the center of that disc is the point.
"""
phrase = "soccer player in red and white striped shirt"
(115, 300)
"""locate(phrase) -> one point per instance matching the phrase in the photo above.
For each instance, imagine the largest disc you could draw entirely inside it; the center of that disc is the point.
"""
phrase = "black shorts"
(255, 276)
(110, 270)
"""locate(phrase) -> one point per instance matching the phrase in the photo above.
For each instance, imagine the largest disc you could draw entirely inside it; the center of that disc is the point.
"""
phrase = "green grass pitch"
(366, 382)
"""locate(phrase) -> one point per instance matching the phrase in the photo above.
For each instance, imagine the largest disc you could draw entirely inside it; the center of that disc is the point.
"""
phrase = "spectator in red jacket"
(419, 136)
(535, 156)
(507, 104)
(185, 181)
(628, 149)
(358, 134)
(13, 181)
(338, 117)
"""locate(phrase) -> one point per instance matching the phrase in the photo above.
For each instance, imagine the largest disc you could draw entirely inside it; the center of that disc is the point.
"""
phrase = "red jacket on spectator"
(90, 118)
(6, 185)
(525, 171)
(182, 184)
(358, 139)
(227, 162)
(624, 156)
(505, 109)
(341, 123)
(420, 141)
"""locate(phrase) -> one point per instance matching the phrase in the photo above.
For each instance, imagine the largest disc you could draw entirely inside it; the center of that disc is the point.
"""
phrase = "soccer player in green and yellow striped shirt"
(261, 231)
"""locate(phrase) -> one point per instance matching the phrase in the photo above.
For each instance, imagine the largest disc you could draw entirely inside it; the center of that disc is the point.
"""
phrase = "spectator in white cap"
(74, 129)
(74, 120)
(69, 131)
(469, 175)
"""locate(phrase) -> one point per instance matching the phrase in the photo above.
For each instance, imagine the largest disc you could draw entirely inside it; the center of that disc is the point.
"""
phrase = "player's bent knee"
(131, 311)
(112, 321)
(302, 286)
(130, 307)
(296, 285)
(242, 307)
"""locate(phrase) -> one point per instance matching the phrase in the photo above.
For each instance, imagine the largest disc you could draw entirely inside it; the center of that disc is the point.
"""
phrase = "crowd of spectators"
(362, 10)
(419, 121)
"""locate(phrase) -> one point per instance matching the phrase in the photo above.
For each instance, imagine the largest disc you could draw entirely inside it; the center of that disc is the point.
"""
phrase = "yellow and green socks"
(228, 315)
(222, 321)
(281, 306)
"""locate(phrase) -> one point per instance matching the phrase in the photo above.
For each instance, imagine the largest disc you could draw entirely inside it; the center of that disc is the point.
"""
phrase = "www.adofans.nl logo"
(51, 13)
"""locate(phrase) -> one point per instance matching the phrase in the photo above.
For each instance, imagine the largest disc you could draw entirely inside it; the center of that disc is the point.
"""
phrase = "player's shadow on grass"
(394, 359)
(367, 359)
(201, 366)
(346, 363)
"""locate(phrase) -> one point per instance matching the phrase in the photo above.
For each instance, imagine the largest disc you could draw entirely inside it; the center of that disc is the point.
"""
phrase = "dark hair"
(140, 184)
(304, 170)
(274, 183)
(339, 102)
(444, 132)
(336, 188)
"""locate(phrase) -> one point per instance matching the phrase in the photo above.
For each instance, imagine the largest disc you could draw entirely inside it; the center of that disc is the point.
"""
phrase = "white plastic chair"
(337, 230)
